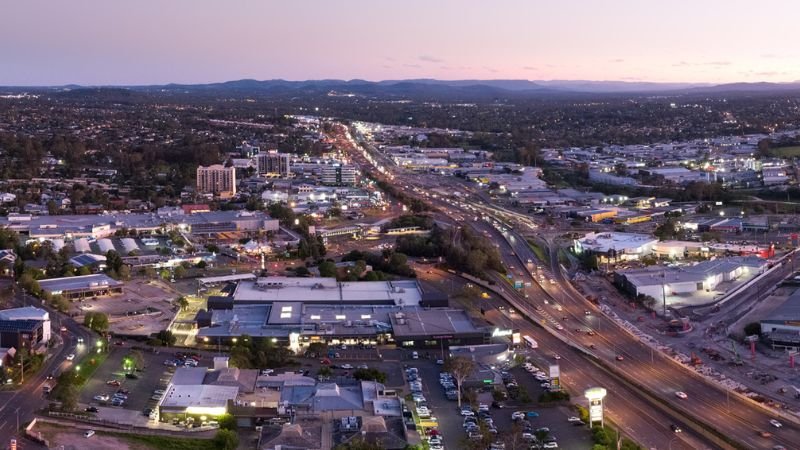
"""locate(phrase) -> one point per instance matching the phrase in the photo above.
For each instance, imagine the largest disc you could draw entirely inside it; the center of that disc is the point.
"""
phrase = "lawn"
(786, 152)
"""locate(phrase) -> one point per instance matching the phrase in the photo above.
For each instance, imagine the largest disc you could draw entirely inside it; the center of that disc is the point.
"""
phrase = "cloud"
(618, 60)
(695, 64)
(413, 66)
(431, 59)
(529, 68)
(490, 69)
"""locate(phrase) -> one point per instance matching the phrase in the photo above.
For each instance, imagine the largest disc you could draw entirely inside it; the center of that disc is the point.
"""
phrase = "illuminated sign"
(516, 338)
(499, 332)
(596, 411)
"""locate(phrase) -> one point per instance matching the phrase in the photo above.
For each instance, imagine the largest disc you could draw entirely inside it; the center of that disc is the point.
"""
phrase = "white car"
(346, 366)
(550, 445)
(574, 419)
(681, 395)
(101, 398)
(775, 423)
(71, 356)
(467, 413)
(88, 434)
(517, 415)
(434, 440)
(556, 356)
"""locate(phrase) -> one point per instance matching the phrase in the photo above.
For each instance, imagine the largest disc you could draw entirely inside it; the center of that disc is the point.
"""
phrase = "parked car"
(91, 409)
(71, 356)
(89, 433)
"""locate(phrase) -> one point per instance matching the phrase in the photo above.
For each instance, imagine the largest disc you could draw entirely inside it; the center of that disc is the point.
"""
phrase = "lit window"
(340, 317)
(315, 317)
(286, 309)
(366, 316)
(285, 315)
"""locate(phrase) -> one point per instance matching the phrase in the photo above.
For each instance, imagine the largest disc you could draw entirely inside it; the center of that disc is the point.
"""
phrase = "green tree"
(327, 269)
(182, 303)
(227, 422)
(752, 329)
(180, 272)
(226, 440)
(359, 444)
(134, 360)
(370, 374)
(96, 321)
(461, 368)
(166, 338)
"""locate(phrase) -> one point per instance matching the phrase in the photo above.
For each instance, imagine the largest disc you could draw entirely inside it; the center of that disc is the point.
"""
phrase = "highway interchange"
(643, 384)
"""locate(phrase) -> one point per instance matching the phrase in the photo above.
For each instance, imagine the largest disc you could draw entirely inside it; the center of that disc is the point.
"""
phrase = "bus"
(530, 342)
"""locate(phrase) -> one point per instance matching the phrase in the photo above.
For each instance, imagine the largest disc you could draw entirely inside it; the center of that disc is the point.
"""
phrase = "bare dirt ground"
(73, 439)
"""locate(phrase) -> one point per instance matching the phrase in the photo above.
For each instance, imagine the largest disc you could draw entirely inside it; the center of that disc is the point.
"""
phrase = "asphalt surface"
(17, 407)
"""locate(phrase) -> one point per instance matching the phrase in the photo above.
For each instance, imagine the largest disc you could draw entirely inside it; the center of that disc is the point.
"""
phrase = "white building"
(616, 246)
(30, 313)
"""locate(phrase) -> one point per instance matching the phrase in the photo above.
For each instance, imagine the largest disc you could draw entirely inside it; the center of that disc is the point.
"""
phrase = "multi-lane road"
(17, 407)
(644, 381)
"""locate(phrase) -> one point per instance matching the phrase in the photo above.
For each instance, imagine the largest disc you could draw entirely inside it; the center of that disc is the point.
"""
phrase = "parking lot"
(154, 376)
(450, 421)
(142, 309)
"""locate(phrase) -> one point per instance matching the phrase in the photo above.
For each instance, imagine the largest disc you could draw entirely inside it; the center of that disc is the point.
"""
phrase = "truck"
(530, 342)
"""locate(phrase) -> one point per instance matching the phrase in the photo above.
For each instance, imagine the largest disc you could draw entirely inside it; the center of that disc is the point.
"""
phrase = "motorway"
(707, 406)
(17, 407)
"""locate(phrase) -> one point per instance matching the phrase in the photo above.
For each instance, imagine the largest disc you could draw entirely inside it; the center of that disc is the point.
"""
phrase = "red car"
(620, 357)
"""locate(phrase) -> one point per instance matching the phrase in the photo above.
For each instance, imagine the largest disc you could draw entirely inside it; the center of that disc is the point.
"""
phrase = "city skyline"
(93, 43)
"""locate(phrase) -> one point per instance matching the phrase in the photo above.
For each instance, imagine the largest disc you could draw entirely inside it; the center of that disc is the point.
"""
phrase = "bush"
(557, 396)
(370, 374)
(226, 440)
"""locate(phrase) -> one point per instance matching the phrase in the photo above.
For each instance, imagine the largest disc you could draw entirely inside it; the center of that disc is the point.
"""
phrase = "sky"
(119, 42)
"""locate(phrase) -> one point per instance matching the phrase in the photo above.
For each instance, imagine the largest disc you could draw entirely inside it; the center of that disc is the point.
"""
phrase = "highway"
(707, 405)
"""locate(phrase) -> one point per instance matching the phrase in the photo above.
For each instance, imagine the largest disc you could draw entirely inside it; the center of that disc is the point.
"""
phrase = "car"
(119, 396)
(414, 355)
(545, 385)
(347, 366)
(117, 402)
(681, 395)
(556, 356)
(775, 423)
(89, 433)
(101, 398)
(63, 329)
(574, 419)
(559, 327)
(436, 447)
(115, 383)
(435, 440)
(439, 362)
(363, 366)
(764, 434)
(543, 430)
(620, 358)
(532, 414)
(590, 333)
(71, 356)
(587, 313)
(155, 397)
(528, 437)
(80, 340)
(159, 392)
(675, 428)
(91, 409)
(550, 445)
(266, 371)
(147, 411)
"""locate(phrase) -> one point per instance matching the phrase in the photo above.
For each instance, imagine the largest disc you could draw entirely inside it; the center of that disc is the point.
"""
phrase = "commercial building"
(217, 180)
(339, 175)
(273, 163)
(21, 333)
(29, 313)
(79, 228)
(659, 282)
(327, 291)
(95, 285)
(781, 327)
(615, 246)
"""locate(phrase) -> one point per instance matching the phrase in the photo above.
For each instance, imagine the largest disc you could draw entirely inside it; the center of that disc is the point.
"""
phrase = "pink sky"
(194, 41)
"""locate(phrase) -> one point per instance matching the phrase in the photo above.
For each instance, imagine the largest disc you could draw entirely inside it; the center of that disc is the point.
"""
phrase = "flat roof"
(431, 322)
(226, 278)
(204, 395)
(603, 242)
(84, 282)
(788, 311)
(327, 290)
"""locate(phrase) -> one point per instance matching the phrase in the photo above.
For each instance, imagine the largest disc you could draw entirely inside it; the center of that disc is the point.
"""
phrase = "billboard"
(596, 410)
(555, 378)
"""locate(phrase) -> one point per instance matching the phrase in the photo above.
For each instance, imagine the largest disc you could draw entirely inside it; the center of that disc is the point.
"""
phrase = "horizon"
(96, 43)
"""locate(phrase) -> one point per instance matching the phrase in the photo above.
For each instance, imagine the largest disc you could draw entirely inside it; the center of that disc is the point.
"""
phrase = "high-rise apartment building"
(273, 162)
(339, 175)
(216, 179)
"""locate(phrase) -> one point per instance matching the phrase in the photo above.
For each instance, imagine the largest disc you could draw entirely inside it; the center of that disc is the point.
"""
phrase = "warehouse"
(96, 285)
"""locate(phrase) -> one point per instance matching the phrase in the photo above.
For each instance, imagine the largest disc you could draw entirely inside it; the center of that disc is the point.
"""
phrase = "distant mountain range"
(440, 89)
